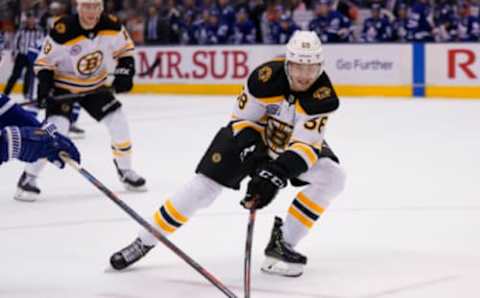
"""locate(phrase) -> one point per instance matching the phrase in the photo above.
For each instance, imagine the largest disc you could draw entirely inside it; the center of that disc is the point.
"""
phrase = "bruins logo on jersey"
(265, 73)
(322, 93)
(60, 28)
(216, 157)
(90, 63)
(65, 108)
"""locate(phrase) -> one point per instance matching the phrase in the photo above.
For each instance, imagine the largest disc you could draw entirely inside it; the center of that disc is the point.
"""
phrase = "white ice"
(407, 225)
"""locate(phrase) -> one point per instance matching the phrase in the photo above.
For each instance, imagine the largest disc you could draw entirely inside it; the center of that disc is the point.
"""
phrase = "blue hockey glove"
(32, 143)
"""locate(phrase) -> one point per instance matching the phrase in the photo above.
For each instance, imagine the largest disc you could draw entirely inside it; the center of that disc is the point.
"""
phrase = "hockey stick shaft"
(248, 254)
(112, 196)
(71, 97)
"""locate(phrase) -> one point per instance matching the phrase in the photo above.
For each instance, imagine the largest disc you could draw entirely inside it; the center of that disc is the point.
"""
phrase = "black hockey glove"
(45, 87)
(124, 73)
(264, 186)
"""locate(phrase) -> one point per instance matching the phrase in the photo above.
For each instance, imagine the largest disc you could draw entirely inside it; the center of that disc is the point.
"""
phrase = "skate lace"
(284, 246)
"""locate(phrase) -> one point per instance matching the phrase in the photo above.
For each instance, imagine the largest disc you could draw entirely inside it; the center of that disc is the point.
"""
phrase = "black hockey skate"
(130, 179)
(129, 255)
(27, 190)
(281, 258)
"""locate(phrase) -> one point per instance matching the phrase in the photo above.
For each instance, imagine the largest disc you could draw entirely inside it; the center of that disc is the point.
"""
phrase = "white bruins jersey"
(79, 57)
(288, 120)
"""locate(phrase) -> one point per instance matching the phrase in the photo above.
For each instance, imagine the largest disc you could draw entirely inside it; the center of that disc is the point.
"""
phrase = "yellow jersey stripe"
(74, 41)
(162, 224)
(127, 47)
(101, 76)
(41, 61)
(241, 125)
(300, 217)
(127, 53)
(123, 53)
(307, 150)
(108, 32)
(317, 145)
(37, 67)
(175, 213)
(314, 207)
(279, 59)
(75, 90)
(299, 109)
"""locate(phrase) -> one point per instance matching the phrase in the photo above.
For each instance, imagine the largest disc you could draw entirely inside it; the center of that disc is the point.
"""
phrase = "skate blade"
(76, 136)
(276, 267)
(24, 196)
(135, 189)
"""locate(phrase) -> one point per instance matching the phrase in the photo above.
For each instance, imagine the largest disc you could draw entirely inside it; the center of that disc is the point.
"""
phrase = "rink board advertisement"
(223, 70)
(452, 70)
(446, 70)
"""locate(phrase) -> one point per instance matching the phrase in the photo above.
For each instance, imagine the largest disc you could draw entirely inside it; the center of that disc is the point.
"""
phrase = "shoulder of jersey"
(321, 98)
(68, 27)
(65, 29)
(267, 80)
(109, 22)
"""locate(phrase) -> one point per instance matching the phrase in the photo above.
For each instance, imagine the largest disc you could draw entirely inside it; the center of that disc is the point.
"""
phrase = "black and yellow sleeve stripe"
(168, 218)
(42, 64)
(125, 51)
(240, 125)
(309, 153)
(305, 210)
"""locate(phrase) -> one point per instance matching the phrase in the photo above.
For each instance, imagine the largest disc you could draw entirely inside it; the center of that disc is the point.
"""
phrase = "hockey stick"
(72, 97)
(248, 253)
(64, 156)
(150, 70)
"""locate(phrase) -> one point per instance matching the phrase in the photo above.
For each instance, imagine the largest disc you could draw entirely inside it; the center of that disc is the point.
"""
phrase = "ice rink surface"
(407, 225)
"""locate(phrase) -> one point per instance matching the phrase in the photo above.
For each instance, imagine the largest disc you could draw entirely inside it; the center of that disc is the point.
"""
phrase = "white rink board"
(364, 65)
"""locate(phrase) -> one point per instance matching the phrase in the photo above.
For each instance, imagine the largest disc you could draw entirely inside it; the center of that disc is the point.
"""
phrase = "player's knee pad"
(204, 190)
(229, 159)
(117, 125)
(326, 182)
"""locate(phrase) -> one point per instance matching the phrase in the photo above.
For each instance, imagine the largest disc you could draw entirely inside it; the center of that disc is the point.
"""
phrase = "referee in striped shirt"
(29, 36)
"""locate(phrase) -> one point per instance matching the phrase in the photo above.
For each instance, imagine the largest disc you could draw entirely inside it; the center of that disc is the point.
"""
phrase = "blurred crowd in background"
(209, 22)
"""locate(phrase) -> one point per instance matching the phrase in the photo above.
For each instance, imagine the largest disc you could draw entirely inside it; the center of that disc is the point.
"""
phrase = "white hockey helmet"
(304, 61)
(305, 47)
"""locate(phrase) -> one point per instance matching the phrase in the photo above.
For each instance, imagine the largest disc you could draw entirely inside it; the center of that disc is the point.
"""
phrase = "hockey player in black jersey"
(275, 136)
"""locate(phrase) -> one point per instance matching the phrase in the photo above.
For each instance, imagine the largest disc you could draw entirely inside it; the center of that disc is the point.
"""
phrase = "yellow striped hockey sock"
(302, 215)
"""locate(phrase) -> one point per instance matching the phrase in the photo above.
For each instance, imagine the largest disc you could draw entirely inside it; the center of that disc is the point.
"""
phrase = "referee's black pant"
(21, 62)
